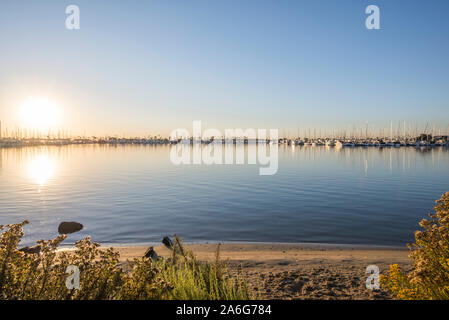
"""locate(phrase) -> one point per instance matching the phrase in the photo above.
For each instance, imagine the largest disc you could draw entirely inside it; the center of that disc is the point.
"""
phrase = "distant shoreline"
(341, 142)
(296, 245)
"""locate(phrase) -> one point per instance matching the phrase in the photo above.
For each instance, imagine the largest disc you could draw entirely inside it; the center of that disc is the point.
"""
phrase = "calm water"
(134, 194)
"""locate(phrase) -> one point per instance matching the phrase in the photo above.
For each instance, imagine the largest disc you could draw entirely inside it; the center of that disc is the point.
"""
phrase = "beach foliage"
(195, 280)
(429, 277)
(43, 276)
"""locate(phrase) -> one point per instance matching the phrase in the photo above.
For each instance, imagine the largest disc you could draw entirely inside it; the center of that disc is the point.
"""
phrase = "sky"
(148, 67)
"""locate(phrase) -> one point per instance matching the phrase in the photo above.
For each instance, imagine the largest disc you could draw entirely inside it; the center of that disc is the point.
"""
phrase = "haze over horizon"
(138, 68)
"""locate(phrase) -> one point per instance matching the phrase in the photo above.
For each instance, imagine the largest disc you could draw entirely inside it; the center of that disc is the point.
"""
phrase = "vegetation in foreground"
(43, 276)
(429, 277)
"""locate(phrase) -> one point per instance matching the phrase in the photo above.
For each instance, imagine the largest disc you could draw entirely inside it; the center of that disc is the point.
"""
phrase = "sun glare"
(41, 169)
(40, 113)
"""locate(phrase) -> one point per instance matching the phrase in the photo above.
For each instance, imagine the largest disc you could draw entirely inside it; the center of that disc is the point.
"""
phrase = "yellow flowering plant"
(429, 277)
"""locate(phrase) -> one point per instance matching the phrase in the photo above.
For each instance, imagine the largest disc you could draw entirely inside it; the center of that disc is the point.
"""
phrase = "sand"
(294, 271)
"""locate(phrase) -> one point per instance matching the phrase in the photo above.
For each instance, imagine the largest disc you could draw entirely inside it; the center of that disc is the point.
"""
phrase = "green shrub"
(194, 280)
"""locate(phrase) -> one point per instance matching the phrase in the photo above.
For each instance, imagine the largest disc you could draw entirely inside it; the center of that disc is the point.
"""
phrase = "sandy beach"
(297, 271)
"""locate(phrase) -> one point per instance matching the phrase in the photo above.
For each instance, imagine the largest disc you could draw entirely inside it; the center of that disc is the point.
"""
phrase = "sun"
(40, 113)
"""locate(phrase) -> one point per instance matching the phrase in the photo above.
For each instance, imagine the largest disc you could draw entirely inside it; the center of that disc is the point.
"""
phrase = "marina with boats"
(338, 139)
(423, 140)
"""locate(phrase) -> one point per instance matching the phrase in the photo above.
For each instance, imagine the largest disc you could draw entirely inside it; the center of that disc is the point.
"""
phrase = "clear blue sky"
(140, 67)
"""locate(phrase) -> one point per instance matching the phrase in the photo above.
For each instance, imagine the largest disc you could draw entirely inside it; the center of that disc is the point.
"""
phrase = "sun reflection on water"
(41, 169)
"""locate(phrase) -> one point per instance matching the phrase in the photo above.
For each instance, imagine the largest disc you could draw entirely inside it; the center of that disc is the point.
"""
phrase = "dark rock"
(69, 227)
(32, 250)
(150, 253)
(168, 243)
